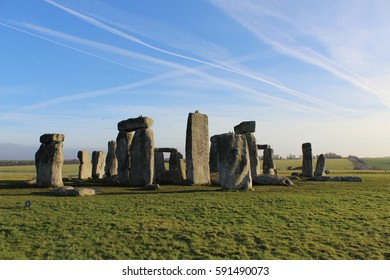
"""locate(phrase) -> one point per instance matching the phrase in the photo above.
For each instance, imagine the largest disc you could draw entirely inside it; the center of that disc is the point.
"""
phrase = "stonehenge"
(132, 159)
(49, 160)
(197, 149)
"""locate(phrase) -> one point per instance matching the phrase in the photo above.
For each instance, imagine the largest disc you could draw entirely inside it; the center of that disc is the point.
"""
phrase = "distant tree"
(332, 155)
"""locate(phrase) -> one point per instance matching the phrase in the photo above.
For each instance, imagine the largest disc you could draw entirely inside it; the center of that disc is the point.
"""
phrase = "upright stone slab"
(98, 163)
(244, 127)
(253, 156)
(85, 167)
(177, 170)
(268, 162)
(142, 158)
(213, 162)
(320, 165)
(134, 124)
(49, 160)
(197, 149)
(123, 143)
(307, 160)
(159, 165)
(111, 168)
(233, 162)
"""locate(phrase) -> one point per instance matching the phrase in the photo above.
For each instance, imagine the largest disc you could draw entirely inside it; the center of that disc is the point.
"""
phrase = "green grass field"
(311, 220)
(378, 163)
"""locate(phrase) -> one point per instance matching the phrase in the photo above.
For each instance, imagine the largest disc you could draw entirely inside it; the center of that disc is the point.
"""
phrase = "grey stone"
(213, 162)
(337, 179)
(307, 160)
(48, 163)
(263, 146)
(111, 168)
(272, 180)
(123, 143)
(142, 158)
(64, 191)
(244, 127)
(233, 162)
(51, 137)
(151, 187)
(253, 156)
(320, 165)
(197, 149)
(98, 163)
(85, 192)
(134, 124)
(166, 150)
(177, 169)
(268, 162)
(159, 165)
(85, 167)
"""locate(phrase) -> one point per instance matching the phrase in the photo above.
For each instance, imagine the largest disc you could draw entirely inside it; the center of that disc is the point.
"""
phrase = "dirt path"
(359, 164)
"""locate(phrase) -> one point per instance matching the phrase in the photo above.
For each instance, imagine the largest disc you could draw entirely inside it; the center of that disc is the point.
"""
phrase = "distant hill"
(11, 151)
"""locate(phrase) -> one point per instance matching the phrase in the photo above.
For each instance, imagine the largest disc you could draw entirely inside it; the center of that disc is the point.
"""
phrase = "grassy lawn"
(311, 220)
(378, 163)
(332, 164)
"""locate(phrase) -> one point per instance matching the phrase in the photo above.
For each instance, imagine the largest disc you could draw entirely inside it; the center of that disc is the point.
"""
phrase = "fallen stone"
(134, 124)
(64, 191)
(244, 127)
(85, 192)
(272, 180)
(337, 179)
(197, 149)
(53, 137)
(233, 162)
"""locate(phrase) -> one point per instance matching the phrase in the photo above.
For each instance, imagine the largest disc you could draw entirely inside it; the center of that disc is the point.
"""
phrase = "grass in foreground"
(311, 220)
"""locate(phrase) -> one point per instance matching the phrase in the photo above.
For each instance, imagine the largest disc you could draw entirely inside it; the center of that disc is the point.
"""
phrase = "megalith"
(123, 143)
(49, 160)
(98, 163)
(244, 127)
(111, 168)
(177, 168)
(320, 165)
(213, 162)
(142, 158)
(268, 162)
(253, 156)
(85, 167)
(197, 149)
(233, 162)
(134, 124)
(159, 165)
(307, 160)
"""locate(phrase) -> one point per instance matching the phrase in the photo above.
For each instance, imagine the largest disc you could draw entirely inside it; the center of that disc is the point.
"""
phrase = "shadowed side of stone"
(244, 127)
(134, 124)
(123, 143)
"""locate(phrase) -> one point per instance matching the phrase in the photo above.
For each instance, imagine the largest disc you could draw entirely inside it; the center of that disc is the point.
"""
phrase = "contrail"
(103, 26)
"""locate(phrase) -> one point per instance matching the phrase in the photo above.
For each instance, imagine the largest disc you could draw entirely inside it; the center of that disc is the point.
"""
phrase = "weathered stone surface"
(320, 165)
(272, 180)
(263, 146)
(159, 165)
(307, 160)
(177, 169)
(142, 158)
(151, 187)
(244, 127)
(253, 156)
(233, 162)
(48, 163)
(98, 163)
(123, 143)
(337, 178)
(70, 191)
(268, 161)
(166, 150)
(111, 168)
(197, 149)
(134, 124)
(51, 137)
(85, 167)
(213, 161)
(85, 192)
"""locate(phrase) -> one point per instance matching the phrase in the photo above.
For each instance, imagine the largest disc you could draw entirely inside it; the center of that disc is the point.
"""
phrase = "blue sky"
(305, 71)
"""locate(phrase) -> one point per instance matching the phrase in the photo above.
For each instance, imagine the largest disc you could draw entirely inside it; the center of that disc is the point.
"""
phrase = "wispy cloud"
(273, 25)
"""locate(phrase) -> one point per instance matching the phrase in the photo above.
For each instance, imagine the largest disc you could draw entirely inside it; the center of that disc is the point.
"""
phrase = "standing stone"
(111, 168)
(98, 163)
(307, 160)
(142, 158)
(213, 162)
(253, 156)
(320, 166)
(268, 162)
(233, 162)
(123, 143)
(197, 149)
(177, 168)
(49, 160)
(85, 167)
(159, 165)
